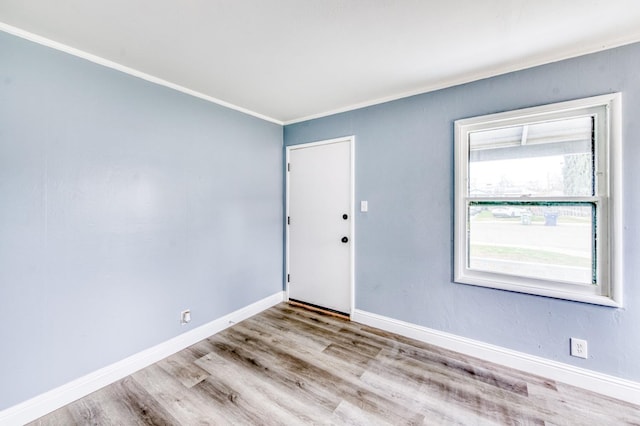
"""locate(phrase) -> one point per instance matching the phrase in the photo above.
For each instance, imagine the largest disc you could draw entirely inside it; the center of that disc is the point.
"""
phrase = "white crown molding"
(531, 62)
(47, 402)
(604, 384)
(122, 68)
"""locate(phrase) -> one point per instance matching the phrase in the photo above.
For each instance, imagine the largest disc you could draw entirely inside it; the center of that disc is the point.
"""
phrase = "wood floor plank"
(280, 334)
(291, 366)
(306, 320)
(323, 356)
(59, 417)
(434, 409)
(343, 385)
(87, 411)
(187, 407)
(273, 396)
(469, 394)
(126, 402)
(312, 373)
(181, 366)
(237, 407)
(579, 406)
(348, 414)
(320, 327)
(260, 365)
(458, 369)
(394, 340)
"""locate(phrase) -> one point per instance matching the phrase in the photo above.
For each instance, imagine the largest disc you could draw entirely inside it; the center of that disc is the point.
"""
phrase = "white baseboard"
(604, 384)
(47, 402)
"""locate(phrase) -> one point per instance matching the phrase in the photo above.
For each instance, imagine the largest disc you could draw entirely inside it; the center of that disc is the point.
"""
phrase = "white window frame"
(607, 289)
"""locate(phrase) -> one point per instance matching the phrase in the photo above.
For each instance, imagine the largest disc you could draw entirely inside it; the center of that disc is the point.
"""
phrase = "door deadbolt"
(345, 240)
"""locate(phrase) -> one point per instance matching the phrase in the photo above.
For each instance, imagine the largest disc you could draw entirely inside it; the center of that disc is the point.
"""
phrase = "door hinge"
(288, 167)
(288, 220)
(288, 278)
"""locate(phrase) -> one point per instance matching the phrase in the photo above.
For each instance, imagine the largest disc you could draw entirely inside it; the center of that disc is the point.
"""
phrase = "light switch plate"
(364, 206)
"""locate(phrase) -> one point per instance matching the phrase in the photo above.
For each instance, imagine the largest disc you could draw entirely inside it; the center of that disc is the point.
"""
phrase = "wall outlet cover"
(185, 316)
(579, 348)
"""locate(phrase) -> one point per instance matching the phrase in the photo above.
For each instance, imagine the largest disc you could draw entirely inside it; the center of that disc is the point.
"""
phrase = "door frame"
(352, 150)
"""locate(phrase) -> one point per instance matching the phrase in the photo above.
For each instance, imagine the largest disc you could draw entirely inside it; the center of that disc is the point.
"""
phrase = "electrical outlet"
(185, 316)
(579, 348)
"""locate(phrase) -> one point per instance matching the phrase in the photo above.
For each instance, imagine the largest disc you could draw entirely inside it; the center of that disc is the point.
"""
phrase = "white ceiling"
(287, 60)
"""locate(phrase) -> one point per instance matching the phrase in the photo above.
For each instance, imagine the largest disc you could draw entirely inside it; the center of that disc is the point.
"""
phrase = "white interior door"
(320, 224)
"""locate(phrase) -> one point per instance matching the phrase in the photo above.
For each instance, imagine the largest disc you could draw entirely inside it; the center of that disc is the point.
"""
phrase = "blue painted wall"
(121, 204)
(404, 251)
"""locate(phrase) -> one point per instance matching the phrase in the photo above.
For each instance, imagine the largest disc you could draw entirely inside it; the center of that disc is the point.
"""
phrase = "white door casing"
(320, 184)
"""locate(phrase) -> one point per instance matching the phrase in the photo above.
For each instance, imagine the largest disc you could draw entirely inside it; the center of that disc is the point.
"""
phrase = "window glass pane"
(552, 158)
(550, 241)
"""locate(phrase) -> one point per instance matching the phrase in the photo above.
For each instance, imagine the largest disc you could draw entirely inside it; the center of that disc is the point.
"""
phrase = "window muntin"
(533, 201)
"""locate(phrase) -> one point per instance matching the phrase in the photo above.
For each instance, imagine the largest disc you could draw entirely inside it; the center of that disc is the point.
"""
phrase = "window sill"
(539, 290)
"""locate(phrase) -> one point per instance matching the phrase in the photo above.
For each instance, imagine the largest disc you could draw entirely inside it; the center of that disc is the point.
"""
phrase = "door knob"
(345, 216)
(345, 240)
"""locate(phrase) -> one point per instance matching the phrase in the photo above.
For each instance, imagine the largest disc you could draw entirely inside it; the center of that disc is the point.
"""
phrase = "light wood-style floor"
(290, 366)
